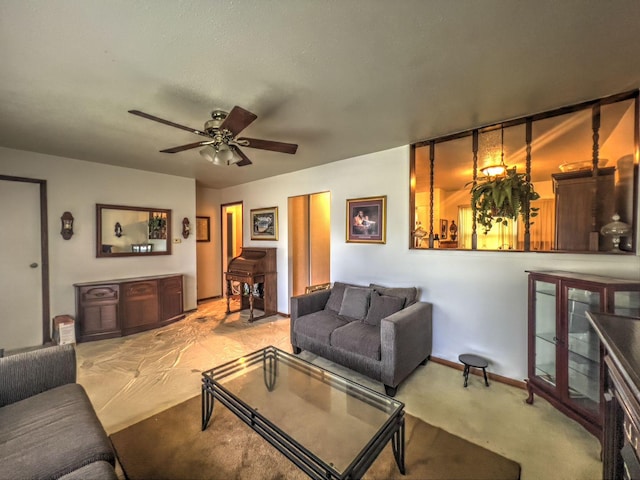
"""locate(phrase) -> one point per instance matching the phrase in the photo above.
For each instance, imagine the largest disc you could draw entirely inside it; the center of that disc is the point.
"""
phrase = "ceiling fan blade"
(167, 122)
(245, 160)
(182, 148)
(237, 120)
(281, 147)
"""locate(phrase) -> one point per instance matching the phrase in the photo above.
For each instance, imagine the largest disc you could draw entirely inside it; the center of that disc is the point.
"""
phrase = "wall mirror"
(124, 231)
(582, 162)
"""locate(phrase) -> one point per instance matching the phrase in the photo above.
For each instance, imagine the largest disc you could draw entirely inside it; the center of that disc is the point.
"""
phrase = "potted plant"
(157, 227)
(500, 198)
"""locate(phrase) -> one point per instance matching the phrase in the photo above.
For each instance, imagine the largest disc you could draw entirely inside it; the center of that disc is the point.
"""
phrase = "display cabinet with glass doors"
(565, 357)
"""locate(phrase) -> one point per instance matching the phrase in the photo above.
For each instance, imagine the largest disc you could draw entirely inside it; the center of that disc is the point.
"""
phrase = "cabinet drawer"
(99, 294)
(140, 289)
(171, 285)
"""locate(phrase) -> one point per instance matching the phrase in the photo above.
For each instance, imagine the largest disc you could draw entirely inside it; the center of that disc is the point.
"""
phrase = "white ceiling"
(339, 78)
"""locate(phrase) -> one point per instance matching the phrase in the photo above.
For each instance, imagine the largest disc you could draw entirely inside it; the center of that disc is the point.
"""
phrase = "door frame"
(44, 251)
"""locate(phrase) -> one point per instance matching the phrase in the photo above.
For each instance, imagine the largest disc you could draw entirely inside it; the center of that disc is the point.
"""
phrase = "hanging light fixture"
(496, 169)
(220, 154)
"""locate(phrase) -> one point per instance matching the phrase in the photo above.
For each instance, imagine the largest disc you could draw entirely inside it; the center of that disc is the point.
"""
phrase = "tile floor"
(133, 377)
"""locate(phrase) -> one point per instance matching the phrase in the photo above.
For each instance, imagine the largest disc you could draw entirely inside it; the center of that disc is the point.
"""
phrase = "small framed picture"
(203, 232)
(366, 220)
(264, 224)
(444, 226)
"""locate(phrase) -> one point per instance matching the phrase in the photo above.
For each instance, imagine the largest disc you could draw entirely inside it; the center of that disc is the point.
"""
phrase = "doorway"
(24, 289)
(231, 228)
(309, 241)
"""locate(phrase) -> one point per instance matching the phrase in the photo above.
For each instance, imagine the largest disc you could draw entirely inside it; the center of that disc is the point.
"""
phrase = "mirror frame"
(100, 254)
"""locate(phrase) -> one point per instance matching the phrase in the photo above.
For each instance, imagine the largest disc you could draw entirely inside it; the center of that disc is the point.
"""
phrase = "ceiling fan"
(222, 148)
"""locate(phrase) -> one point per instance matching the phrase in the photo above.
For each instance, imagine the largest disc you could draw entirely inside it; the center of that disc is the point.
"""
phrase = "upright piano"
(255, 270)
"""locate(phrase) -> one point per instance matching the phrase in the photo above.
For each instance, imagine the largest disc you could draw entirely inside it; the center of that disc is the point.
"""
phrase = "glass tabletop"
(330, 416)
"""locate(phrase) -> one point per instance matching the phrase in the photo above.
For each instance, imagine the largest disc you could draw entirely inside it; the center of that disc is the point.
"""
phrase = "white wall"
(479, 298)
(77, 186)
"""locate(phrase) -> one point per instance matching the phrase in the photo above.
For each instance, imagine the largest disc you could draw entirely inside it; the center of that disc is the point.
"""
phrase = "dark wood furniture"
(620, 336)
(255, 269)
(584, 204)
(565, 358)
(115, 308)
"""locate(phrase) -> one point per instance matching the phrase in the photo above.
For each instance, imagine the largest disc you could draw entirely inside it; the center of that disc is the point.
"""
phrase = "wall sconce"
(67, 225)
(186, 227)
(118, 230)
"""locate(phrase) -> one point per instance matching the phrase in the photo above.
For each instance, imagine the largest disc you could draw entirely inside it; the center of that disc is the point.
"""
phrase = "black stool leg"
(466, 375)
(484, 371)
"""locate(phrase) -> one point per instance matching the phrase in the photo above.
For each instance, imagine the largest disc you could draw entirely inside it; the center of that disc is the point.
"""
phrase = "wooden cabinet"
(565, 357)
(255, 269)
(620, 336)
(120, 307)
(584, 204)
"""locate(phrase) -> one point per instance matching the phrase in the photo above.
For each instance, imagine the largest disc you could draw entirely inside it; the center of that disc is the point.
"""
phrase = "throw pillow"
(335, 297)
(355, 303)
(409, 294)
(381, 307)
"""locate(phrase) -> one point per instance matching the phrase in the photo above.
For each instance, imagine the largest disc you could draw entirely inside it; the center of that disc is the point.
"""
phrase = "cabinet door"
(545, 331)
(98, 309)
(139, 304)
(583, 349)
(170, 297)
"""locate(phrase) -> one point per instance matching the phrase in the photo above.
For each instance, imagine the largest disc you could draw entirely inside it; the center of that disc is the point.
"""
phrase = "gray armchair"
(48, 427)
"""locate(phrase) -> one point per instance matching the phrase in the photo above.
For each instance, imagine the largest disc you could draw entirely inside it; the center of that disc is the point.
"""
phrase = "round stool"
(469, 360)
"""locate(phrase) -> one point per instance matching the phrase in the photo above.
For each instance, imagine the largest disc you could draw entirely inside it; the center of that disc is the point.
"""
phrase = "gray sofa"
(48, 427)
(381, 332)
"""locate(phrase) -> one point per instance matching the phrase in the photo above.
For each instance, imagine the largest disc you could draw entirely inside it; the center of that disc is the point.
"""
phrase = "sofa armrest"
(304, 305)
(308, 303)
(406, 341)
(26, 374)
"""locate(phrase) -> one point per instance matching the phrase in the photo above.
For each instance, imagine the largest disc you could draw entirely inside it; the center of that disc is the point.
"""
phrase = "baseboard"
(283, 314)
(478, 371)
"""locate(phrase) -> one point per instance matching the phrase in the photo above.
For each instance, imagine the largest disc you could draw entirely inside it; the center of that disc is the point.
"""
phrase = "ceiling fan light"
(209, 153)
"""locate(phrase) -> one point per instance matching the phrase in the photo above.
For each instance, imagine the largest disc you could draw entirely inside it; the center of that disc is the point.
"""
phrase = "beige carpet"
(170, 445)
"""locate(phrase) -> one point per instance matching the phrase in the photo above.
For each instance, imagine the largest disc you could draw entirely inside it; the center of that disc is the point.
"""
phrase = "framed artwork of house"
(264, 224)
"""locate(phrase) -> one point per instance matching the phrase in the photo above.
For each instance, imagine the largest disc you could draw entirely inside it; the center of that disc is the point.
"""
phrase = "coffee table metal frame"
(392, 430)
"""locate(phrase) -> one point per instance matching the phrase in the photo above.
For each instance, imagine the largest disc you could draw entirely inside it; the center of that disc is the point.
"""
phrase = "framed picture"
(203, 233)
(367, 220)
(264, 224)
(444, 225)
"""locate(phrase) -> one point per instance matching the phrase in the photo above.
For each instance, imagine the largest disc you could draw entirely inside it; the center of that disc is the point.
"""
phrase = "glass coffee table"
(330, 427)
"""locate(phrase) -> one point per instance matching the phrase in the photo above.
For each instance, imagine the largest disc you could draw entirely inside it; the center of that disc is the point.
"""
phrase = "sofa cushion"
(409, 294)
(381, 307)
(335, 298)
(355, 303)
(319, 325)
(358, 337)
(51, 434)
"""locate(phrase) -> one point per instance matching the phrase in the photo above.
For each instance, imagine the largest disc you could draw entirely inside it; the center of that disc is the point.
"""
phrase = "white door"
(21, 265)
